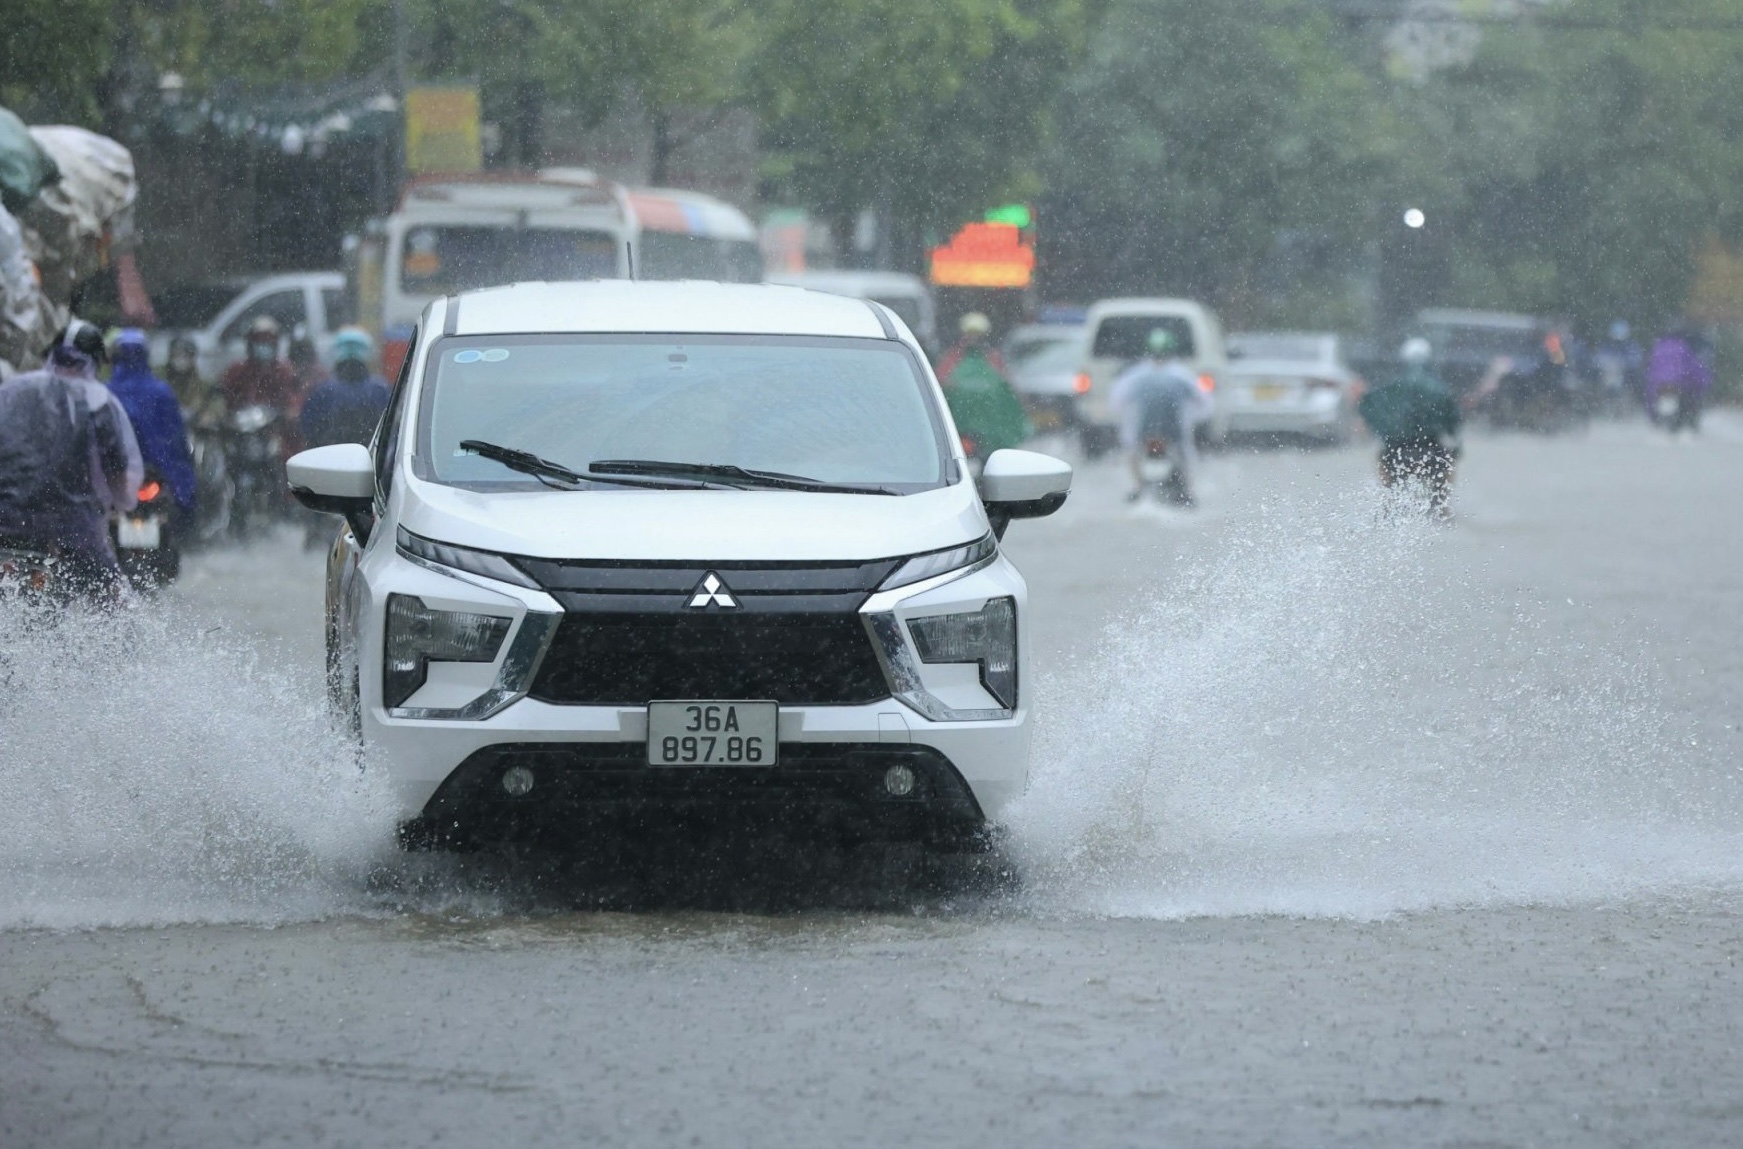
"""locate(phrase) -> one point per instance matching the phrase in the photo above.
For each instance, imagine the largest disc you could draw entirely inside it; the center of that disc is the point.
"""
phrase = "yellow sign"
(441, 130)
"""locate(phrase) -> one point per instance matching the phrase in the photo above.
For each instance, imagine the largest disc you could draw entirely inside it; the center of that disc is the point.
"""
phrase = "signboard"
(442, 130)
(985, 254)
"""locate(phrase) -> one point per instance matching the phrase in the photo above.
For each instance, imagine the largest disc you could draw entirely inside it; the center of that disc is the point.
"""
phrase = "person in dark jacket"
(344, 409)
(68, 459)
(156, 417)
(1417, 421)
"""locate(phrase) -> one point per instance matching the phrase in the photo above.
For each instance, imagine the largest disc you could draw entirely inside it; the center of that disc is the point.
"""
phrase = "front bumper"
(833, 790)
(471, 721)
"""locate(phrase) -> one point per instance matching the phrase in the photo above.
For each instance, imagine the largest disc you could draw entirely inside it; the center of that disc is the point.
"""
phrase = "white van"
(216, 314)
(1118, 330)
(906, 295)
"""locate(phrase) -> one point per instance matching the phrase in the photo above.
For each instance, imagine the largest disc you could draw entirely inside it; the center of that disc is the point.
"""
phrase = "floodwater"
(1343, 829)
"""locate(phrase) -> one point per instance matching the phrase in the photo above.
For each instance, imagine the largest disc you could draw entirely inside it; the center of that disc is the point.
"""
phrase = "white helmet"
(1416, 351)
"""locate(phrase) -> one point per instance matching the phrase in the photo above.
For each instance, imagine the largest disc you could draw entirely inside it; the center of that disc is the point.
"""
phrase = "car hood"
(686, 526)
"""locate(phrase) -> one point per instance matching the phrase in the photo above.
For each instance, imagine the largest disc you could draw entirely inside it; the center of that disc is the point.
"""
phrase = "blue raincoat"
(157, 422)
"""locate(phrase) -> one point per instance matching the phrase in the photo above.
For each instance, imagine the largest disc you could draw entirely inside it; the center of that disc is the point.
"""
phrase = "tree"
(928, 109)
(1590, 166)
(1191, 136)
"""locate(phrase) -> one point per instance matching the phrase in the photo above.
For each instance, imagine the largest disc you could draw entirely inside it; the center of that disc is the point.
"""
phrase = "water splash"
(1325, 719)
(152, 773)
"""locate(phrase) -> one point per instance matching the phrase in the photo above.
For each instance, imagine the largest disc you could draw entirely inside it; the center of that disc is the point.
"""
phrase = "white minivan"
(622, 550)
(1117, 332)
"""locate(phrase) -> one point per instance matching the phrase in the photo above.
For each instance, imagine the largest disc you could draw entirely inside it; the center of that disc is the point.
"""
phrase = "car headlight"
(942, 562)
(465, 559)
(987, 637)
(418, 635)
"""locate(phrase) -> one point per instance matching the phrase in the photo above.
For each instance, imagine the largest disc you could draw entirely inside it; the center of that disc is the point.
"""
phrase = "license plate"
(140, 533)
(713, 733)
(1269, 392)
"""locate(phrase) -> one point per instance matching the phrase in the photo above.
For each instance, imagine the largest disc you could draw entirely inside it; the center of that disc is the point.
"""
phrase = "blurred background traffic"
(1543, 190)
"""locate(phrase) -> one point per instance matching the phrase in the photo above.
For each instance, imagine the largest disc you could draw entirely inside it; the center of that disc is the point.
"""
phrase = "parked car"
(906, 295)
(1289, 383)
(1046, 366)
(625, 551)
(1118, 330)
(216, 313)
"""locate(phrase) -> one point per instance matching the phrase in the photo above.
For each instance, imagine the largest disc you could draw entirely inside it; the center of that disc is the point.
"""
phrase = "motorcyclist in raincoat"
(1157, 399)
(1678, 371)
(68, 459)
(344, 409)
(1417, 421)
(988, 414)
(156, 417)
(261, 379)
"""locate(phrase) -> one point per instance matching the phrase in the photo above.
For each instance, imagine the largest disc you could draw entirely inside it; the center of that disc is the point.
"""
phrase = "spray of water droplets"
(153, 772)
(1325, 720)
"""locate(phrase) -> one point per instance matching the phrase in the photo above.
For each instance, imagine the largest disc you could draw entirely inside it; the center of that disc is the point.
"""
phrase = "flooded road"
(1343, 830)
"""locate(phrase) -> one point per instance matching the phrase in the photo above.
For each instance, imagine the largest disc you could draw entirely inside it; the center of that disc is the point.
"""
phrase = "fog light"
(517, 780)
(898, 781)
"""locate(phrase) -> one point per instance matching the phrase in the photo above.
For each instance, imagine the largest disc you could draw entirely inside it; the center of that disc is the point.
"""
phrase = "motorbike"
(253, 439)
(1162, 472)
(146, 539)
(212, 489)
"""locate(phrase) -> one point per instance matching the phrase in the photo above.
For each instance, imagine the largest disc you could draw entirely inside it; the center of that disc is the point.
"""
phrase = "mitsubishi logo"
(712, 592)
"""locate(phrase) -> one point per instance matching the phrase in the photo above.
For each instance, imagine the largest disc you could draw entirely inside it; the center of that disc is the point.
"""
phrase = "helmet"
(975, 323)
(1416, 351)
(1160, 341)
(130, 337)
(352, 343)
(264, 327)
(76, 344)
(1620, 330)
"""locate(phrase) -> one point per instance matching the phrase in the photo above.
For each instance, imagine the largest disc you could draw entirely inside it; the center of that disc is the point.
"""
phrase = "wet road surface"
(1344, 830)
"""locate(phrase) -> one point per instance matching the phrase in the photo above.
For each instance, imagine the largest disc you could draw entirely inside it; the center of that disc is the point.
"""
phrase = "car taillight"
(150, 491)
(1207, 383)
(1081, 384)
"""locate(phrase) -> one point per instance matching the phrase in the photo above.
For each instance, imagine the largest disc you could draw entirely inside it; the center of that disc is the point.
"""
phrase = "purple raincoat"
(1676, 366)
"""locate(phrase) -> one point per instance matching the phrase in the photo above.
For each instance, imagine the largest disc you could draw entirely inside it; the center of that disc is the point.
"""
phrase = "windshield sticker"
(468, 356)
(495, 355)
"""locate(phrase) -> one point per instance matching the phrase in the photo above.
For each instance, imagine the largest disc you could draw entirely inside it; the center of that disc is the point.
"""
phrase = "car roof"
(1131, 305)
(622, 306)
(853, 282)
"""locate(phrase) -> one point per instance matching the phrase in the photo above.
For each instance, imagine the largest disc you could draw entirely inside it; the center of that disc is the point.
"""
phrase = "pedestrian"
(68, 460)
(1158, 401)
(1417, 421)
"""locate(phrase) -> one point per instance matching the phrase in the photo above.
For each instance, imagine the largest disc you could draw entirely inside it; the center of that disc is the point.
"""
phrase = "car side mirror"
(336, 480)
(1022, 485)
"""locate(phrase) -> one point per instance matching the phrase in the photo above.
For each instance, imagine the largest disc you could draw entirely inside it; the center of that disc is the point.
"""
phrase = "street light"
(1414, 218)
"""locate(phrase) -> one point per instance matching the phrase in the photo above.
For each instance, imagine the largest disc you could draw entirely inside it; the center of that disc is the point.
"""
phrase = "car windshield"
(439, 260)
(1127, 336)
(1060, 355)
(1287, 348)
(850, 412)
(1024, 346)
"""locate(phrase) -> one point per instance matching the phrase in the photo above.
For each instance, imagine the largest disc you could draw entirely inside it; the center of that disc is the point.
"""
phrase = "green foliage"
(1582, 170)
(933, 108)
(1192, 135)
(51, 53)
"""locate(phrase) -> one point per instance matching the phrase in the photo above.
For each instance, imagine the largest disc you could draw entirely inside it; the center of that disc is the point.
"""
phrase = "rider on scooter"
(1158, 400)
(61, 477)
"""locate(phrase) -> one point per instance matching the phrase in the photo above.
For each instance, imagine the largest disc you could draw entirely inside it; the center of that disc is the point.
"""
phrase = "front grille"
(631, 659)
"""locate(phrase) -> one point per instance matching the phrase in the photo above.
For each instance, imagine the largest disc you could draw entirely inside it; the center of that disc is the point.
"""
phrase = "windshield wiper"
(731, 473)
(555, 474)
